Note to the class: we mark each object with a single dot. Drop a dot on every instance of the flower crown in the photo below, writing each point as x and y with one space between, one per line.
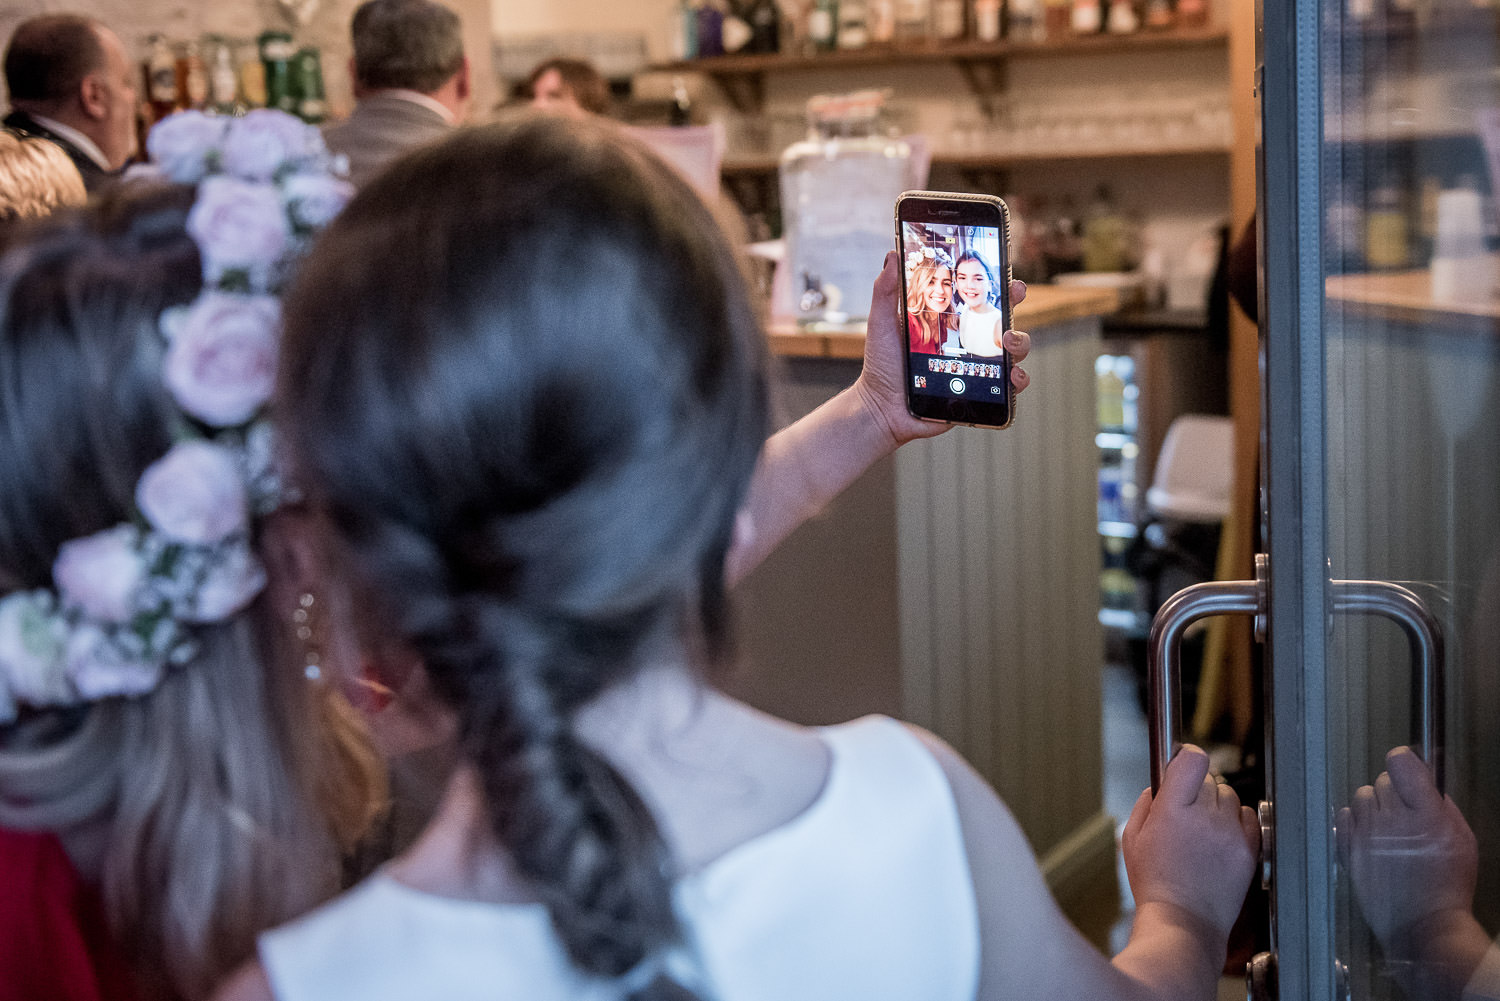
929 254
126 599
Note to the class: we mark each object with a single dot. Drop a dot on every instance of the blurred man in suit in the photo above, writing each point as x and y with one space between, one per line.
71 82
411 82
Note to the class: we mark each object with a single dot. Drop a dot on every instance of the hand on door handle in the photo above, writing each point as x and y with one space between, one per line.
1192 846
1414 862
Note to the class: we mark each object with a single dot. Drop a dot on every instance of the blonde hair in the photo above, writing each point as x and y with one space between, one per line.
932 329
36 177
220 803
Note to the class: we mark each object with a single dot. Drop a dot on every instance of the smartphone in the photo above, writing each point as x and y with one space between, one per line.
955 306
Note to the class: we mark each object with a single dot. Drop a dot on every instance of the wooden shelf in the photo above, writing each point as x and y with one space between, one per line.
756 165
742 77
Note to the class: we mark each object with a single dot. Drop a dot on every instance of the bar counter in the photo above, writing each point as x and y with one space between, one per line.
956 585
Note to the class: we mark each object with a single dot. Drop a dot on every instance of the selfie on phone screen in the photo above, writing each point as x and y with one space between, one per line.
956 305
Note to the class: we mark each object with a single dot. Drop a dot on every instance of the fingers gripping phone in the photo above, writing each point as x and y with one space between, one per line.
955 306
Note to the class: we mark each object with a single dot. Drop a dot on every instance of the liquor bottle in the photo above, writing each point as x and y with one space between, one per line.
192 76
764 18
882 20
1192 13
854 24
1159 15
312 103
1057 18
948 21
223 81
710 30
276 53
161 78
252 73
1386 233
1088 18
912 20
822 25
1025 21
683 30
1122 18
986 20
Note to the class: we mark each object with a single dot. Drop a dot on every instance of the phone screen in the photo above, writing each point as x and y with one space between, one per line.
956 306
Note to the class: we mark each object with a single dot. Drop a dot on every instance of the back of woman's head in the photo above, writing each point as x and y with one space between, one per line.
36 177
524 379
146 705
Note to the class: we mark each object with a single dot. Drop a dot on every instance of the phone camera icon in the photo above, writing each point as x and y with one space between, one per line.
956 385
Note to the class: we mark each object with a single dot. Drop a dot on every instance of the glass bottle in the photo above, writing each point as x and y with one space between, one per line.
312 104
854 24
223 81
882 21
948 22
912 20
986 20
823 25
192 76
764 18
276 54
161 78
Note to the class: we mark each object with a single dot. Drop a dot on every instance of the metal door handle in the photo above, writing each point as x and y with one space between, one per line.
1248 597
1164 650
1425 635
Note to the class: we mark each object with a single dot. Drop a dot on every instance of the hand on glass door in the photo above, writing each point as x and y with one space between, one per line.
1414 861
1193 846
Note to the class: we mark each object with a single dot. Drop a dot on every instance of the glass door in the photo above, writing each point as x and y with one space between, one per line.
1381 464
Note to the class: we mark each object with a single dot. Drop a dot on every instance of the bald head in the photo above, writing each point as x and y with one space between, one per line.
73 69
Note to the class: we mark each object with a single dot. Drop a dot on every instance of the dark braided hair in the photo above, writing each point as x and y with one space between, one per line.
523 377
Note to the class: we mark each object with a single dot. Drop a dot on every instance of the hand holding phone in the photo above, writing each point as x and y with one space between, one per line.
955 305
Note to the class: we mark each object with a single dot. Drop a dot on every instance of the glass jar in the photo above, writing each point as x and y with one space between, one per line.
838 190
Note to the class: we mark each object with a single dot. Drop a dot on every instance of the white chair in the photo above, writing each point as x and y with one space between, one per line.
697 151
1193 470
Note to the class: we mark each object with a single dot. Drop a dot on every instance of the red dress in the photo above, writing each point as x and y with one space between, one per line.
54 943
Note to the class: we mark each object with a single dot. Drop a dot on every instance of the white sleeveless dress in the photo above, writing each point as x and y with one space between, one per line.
865 896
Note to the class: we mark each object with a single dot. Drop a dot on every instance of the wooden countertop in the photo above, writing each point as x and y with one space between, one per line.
1406 297
1045 305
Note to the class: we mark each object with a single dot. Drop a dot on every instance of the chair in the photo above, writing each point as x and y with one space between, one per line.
697 151
1193 470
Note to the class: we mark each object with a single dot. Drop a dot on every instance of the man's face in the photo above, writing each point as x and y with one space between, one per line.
116 136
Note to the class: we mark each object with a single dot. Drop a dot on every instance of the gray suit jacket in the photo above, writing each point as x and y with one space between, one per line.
379 129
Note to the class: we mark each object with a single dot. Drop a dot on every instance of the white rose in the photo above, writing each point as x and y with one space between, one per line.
221 365
234 578
238 225
31 648
98 670
180 144
100 574
194 494
315 198
264 140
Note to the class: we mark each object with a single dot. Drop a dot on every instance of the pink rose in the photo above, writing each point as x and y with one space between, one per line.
221 364
194 494
238 225
180 144
98 670
31 648
263 140
315 198
101 573
232 581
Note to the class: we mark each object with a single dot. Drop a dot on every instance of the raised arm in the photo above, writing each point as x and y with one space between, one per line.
1190 853
806 465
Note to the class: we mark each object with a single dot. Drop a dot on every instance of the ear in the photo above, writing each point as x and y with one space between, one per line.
461 80
93 97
